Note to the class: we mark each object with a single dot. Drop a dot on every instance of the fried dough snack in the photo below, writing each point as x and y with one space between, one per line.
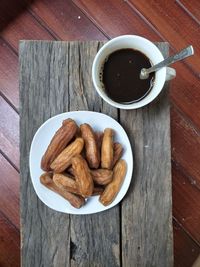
59 141
69 157
91 148
74 200
64 181
113 188
99 176
63 161
117 150
107 149
83 176
102 176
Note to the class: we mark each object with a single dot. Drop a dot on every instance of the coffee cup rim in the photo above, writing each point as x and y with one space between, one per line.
160 76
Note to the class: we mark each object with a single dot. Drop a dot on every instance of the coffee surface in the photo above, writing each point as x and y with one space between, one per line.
121 76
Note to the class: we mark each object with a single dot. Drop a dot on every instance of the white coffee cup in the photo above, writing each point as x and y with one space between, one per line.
147 48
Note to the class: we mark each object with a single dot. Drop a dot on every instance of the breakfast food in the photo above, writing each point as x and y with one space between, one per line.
117 153
59 141
75 200
91 148
107 149
63 161
64 181
81 163
102 176
83 176
113 188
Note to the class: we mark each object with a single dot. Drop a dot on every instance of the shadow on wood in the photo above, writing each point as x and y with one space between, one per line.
10 9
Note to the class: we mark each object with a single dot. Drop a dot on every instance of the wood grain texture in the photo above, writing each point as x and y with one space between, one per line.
23 27
185 146
9 191
9 132
184 93
146 211
53 92
115 18
45 233
191 7
92 240
9 74
10 243
96 237
186 210
185 249
65 20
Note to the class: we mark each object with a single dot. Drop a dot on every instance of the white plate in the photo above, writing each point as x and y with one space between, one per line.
42 139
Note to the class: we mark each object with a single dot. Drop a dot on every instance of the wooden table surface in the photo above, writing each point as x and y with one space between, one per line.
176 22
55 77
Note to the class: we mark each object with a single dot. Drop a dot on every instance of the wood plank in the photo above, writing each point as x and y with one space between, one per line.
29 104
65 20
115 18
10 243
79 231
9 131
191 7
146 211
170 27
185 146
186 203
185 249
59 89
105 251
9 191
25 26
9 74
41 247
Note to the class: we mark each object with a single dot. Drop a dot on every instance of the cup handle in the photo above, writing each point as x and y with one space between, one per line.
170 73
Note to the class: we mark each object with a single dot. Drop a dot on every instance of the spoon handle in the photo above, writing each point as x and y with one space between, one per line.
186 52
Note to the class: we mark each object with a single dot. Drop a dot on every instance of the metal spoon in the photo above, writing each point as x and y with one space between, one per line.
188 51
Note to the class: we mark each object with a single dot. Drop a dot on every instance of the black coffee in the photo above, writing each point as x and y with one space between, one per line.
121 76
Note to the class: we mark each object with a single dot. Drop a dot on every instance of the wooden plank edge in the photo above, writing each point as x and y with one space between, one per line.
185 231
9 161
43 24
9 102
187 11
184 172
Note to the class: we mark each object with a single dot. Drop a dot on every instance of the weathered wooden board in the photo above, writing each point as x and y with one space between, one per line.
56 77
146 210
